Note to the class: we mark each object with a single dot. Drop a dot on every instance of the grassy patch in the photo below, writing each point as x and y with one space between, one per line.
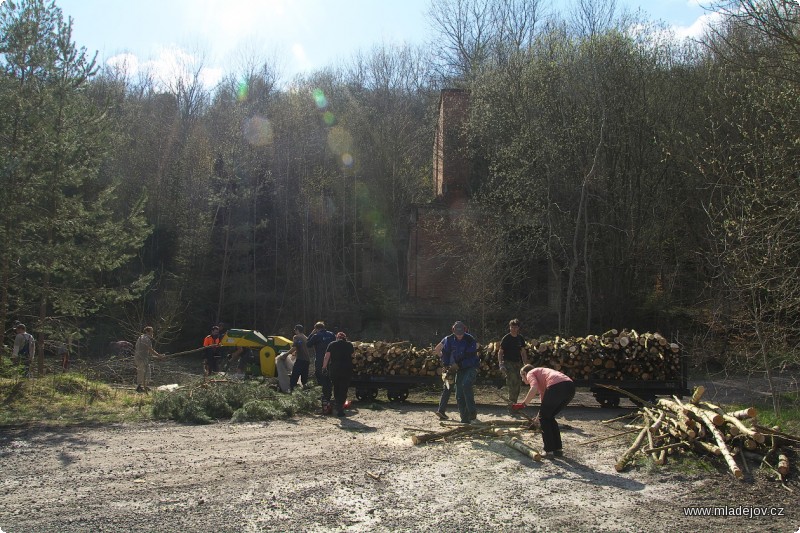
691 464
72 398
789 418
65 399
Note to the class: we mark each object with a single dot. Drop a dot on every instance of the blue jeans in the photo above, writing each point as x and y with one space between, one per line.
445 397
465 395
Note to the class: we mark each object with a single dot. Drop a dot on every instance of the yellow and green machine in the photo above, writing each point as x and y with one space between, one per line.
267 347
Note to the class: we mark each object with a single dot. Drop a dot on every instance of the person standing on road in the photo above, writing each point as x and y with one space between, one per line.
319 339
460 353
556 390
338 364
511 357
141 356
302 360
212 352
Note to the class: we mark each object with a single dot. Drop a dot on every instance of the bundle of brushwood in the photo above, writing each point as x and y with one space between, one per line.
673 427
614 355
509 431
380 358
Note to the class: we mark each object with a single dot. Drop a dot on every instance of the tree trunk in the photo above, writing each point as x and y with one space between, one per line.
522 448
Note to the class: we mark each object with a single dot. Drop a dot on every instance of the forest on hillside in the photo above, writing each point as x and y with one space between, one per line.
657 178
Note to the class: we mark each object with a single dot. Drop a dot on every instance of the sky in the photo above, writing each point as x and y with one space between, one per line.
300 35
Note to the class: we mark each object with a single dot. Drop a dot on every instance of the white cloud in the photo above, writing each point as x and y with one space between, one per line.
211 76
124 62
171 63
300 56
698 27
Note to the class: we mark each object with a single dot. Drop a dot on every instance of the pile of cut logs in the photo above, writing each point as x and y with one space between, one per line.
672 427
402 359
614 355
394 359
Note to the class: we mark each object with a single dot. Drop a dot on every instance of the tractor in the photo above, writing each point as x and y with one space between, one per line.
268 348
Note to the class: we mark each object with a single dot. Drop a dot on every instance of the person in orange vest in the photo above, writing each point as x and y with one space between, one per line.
211 354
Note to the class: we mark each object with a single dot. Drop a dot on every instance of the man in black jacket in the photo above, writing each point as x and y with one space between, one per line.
511 357
338 364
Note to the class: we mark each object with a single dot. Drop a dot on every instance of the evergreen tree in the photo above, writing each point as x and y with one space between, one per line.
65 241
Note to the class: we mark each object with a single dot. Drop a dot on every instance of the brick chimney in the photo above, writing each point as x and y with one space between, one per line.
450 164
433 237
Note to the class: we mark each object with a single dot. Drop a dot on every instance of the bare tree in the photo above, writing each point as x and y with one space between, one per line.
474 33
187 85
759 35
751 161
593 17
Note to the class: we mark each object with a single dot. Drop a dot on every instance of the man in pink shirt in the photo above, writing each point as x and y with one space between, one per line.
556 390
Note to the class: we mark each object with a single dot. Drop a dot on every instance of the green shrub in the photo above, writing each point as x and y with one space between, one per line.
180 407
241 402
306 400
238 394
258 411
215 405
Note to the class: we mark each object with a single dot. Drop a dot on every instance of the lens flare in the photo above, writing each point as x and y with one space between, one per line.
347 159
242 91
319 98
257 131
329 118
339 140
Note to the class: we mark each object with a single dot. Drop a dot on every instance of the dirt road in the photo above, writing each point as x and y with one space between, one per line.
318 473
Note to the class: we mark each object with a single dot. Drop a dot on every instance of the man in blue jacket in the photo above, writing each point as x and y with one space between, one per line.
319 339
459 352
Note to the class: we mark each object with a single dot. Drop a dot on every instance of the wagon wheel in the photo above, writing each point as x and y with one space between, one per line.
397 395
366 395
608 402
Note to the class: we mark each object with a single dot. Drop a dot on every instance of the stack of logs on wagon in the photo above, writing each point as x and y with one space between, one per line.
672 427
614 355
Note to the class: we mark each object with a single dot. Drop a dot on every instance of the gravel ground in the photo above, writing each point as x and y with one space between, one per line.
360 473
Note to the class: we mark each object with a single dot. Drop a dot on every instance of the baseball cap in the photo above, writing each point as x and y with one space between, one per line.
459 328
